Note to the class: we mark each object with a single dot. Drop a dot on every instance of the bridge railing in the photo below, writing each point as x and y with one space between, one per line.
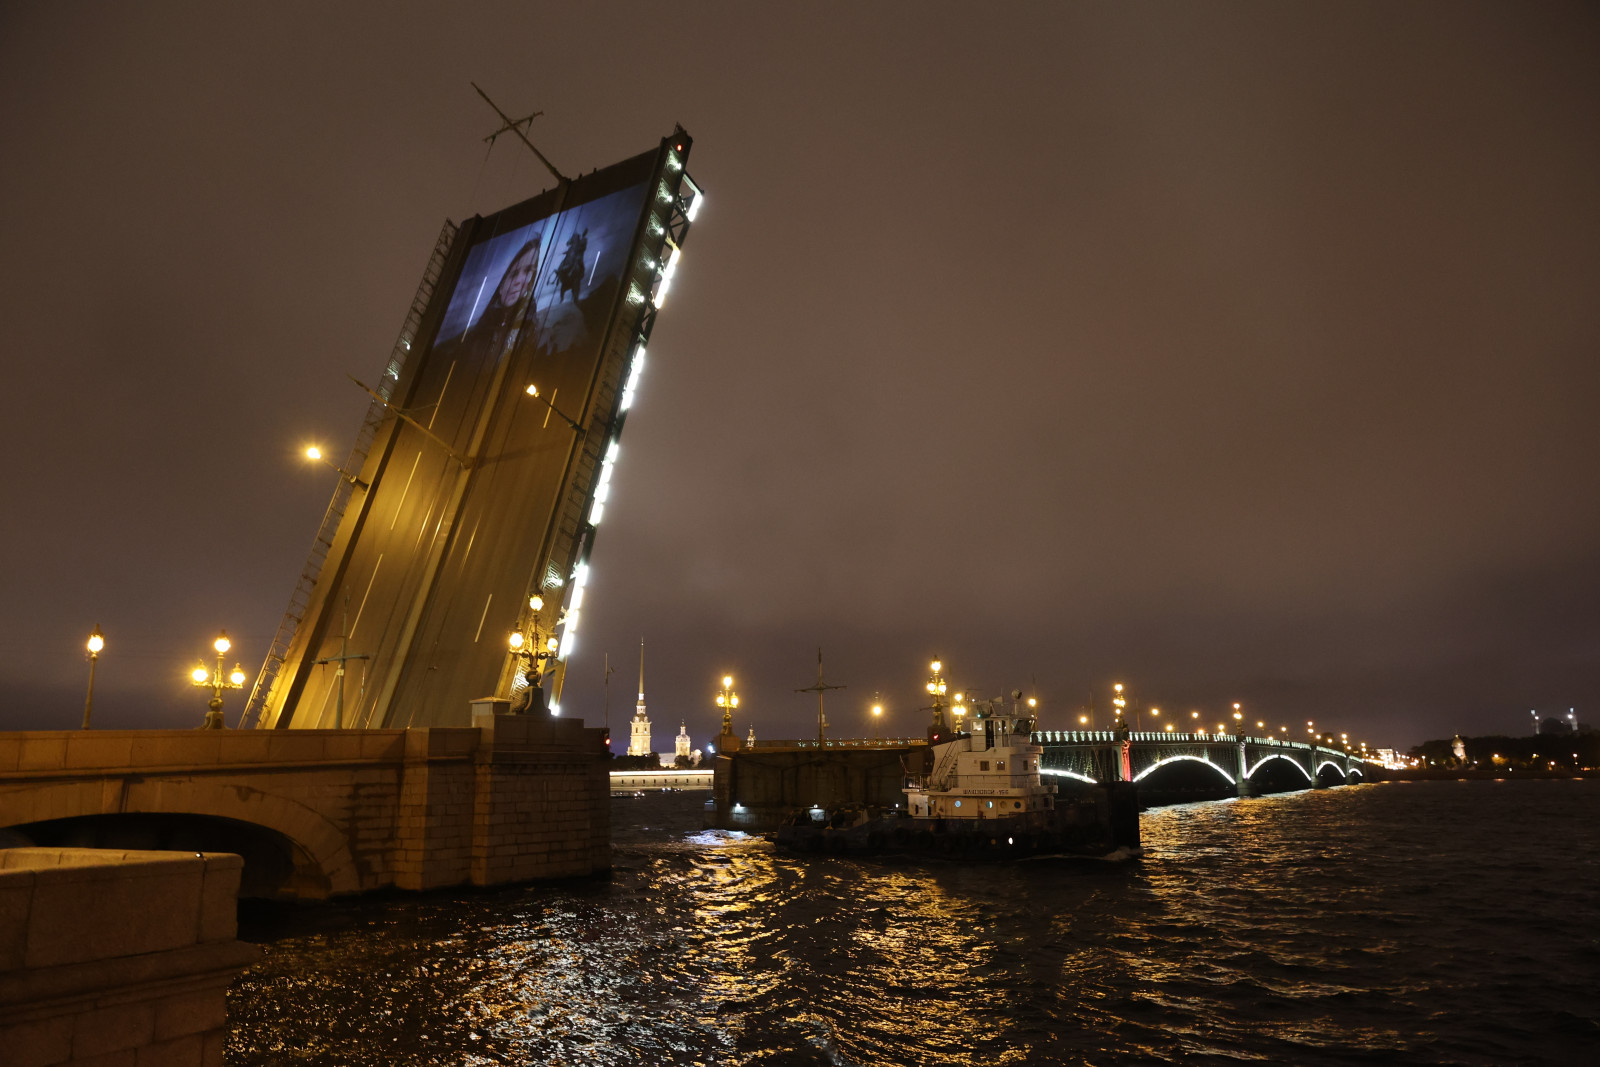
841 742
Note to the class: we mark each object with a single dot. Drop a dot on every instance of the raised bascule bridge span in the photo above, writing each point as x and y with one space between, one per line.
1170 765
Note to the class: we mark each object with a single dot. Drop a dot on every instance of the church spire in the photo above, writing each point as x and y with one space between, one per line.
640 743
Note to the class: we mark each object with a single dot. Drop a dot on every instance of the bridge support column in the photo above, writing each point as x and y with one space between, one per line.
1311 765
1242 784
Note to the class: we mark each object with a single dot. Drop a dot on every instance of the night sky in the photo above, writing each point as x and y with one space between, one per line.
1234 352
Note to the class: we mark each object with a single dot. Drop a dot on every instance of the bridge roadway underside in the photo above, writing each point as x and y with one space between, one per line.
1171 766
319 813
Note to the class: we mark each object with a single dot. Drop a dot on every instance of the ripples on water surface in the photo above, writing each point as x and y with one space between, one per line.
1404 923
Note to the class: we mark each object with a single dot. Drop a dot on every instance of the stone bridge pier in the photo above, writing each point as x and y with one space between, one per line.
318 813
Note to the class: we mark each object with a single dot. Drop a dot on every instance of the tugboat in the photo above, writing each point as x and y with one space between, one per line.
977 795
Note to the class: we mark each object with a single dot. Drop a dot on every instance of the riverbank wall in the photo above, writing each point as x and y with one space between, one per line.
116 957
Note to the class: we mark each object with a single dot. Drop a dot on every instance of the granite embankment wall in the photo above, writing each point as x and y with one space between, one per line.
317 813
116 958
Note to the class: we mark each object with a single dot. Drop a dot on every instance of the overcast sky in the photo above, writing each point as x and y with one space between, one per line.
1232 351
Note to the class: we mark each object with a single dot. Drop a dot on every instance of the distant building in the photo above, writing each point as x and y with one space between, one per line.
681 746
639 737
750 742
1459 747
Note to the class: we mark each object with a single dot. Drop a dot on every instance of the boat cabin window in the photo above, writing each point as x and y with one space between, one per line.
983 765
1000 766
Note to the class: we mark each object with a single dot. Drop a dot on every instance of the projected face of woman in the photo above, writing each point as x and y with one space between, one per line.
519 276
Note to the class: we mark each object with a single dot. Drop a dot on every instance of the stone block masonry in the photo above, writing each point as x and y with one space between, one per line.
318 813
116 956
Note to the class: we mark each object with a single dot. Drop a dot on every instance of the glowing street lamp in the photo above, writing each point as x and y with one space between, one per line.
877 717
96 642
315 454
936 688
533 391
727 700
531 656
217 682
1120 703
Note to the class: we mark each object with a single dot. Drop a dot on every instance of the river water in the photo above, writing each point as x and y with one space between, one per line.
1395 923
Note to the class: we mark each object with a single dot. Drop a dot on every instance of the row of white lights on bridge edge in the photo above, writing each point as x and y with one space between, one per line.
608 464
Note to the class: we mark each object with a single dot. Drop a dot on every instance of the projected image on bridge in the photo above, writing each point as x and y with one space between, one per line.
554 278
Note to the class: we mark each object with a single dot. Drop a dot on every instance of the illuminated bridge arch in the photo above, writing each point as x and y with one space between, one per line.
1335 766
1227 777
1251 773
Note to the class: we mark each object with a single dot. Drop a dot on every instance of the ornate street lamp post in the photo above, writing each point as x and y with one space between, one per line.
97 641
531 658
217 682
936 688
727 700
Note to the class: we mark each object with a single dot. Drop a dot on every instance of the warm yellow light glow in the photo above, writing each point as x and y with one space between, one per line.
313 452
721 700
735 700
1235 705
941 687
932 688
1236 715
533 390
97 641
1083 720
727 681
222 644
1155 711
960 697
877 709
1118 687
536 602
1169 727
1220 727
199 675
552 644
1194 714
936 666
1260 725
516 640
237 677
1032 703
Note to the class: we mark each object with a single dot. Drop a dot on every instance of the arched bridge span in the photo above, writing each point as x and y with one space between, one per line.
319 813
1206 762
